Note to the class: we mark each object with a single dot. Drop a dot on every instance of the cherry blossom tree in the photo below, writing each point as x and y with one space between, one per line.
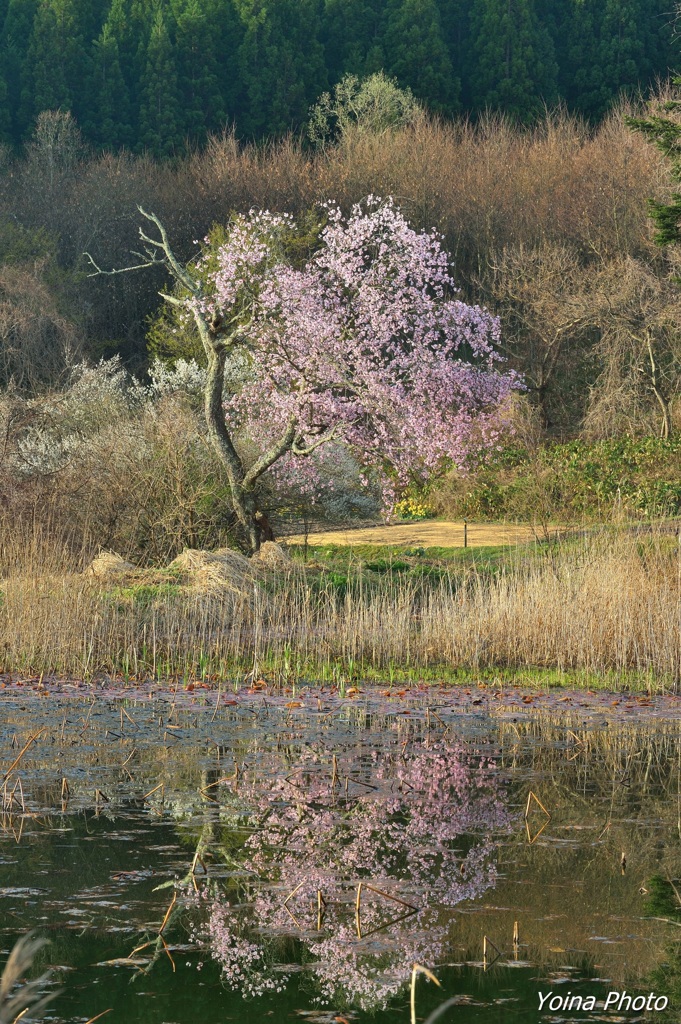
364 345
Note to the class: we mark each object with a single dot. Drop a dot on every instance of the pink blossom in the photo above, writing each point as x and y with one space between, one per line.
366 344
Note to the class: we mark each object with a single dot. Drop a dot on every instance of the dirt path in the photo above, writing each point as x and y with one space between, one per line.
425 534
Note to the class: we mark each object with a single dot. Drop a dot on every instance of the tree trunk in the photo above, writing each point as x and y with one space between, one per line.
243 500
666 427
218 341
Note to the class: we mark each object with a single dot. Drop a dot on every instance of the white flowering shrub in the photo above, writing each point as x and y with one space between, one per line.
129 466
94 394
41 452
185 377
118 463
62 425
344 493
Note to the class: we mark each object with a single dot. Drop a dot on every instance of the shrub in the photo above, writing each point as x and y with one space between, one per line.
569 482
413 508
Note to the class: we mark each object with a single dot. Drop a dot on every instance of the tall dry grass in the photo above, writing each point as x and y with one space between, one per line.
17 995
608 603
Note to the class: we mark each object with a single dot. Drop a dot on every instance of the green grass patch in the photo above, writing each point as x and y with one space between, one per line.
142 595
369 562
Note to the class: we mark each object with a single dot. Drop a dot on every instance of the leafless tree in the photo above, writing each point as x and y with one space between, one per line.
219 340
37 342
639 316
541 294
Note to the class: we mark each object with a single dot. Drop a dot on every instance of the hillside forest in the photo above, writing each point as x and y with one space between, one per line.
153 77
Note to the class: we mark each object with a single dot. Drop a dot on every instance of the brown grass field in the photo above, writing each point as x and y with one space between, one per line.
602 603
426 534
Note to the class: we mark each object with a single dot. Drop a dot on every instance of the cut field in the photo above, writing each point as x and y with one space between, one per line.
426 534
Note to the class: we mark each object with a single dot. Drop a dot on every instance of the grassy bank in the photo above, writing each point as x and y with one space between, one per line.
573 482
601 608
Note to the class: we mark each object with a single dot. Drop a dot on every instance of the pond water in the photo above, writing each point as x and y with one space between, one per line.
253 855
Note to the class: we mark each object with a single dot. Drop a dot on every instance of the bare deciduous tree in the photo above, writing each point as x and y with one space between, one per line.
218 340
37 343
639 316
541 294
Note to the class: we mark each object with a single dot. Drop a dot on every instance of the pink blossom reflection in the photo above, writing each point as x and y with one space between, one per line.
415 832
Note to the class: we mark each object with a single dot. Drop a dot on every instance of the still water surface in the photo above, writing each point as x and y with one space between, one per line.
291 857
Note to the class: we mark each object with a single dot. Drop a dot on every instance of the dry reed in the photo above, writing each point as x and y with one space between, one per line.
17 995
608 603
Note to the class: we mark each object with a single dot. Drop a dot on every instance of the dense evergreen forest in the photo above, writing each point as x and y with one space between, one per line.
153 76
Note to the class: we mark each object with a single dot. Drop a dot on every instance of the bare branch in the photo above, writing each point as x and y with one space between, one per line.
175 266
118 270
173 299
151 241
268 458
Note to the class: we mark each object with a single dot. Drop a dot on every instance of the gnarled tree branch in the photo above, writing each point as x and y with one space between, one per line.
268 458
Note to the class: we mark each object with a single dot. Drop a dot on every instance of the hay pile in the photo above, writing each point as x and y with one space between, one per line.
272 556
195 570
213 570
109 565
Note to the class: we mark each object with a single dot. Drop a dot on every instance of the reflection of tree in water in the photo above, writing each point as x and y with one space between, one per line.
359 866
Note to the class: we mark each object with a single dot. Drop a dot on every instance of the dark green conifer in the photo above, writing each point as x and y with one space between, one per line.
5 119
581 78
610 47
628 44
665 133
56 65
454 18
160 124
129 23
352 34
281 64
204 52
110 124
512 63
16 35
417 53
